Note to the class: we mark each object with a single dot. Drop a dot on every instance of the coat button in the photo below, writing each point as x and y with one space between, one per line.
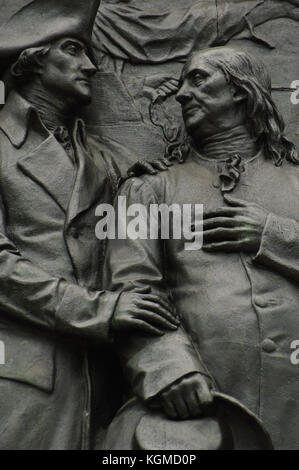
268 345
260 302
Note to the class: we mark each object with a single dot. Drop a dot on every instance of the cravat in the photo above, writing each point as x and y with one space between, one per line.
231 173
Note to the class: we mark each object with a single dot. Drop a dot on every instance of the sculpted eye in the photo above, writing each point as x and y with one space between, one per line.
72 49
197 79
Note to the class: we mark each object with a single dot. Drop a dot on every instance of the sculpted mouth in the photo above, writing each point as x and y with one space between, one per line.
191 108
84 80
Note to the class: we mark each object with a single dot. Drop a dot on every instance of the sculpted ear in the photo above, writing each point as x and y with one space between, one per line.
238 95
30 61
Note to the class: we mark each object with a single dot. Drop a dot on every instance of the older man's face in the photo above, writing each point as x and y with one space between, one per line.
67 71
205 96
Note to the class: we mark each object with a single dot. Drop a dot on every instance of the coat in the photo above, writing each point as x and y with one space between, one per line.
53 315
239 313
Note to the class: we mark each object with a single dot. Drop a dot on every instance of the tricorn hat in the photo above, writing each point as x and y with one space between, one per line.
231 426
228 425
42 21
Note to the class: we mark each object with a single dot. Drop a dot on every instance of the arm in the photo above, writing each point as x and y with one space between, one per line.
279 248
152 365
30 294
247 227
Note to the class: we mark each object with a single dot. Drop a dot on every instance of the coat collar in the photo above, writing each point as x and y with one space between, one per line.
15 117
48 163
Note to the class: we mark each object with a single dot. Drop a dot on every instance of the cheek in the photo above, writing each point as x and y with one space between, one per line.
63 67
218 99
60 67
207 94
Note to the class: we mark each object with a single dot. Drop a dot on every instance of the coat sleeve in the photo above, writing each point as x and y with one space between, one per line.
279 247
30 294
150 363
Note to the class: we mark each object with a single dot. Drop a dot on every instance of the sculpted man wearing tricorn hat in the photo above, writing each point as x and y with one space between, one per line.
54 316
238 296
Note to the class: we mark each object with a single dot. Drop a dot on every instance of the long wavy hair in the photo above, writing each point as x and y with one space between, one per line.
266 123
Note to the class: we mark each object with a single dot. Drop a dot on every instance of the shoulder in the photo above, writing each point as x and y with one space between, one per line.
102 155
143 187
119 156
158 185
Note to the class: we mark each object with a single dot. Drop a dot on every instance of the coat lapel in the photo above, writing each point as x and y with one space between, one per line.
90 180
49 165
74 190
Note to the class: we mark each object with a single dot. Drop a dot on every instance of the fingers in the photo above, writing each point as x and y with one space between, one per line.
236 207
174 404
233 201
161 311
222 212
143 326
156 319
188 398
224 234
227 246
170 309
167 162
142 167
194 404
169 408
146 167
204 394
161 164
149 167
150 302
180 405
142 290
220 222
219 234
168 88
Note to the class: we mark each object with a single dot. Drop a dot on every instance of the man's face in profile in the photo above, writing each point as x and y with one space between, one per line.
67 71
205 96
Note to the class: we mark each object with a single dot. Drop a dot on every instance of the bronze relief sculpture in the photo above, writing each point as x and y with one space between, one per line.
141 344
52 177
237 297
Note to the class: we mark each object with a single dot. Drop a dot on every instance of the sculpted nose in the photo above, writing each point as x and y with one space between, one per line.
88 67
183 95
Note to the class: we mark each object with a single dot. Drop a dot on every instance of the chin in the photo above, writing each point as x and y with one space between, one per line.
191 126
82 99
85 100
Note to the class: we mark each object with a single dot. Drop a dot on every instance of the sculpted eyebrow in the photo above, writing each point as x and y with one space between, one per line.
74 43
191 75
200 71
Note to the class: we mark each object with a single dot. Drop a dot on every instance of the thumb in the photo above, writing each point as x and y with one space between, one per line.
233 201
142 290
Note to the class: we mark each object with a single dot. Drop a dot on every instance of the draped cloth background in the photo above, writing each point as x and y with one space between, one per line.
158 32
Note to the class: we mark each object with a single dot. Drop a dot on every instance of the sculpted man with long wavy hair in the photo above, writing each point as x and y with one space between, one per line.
237 297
